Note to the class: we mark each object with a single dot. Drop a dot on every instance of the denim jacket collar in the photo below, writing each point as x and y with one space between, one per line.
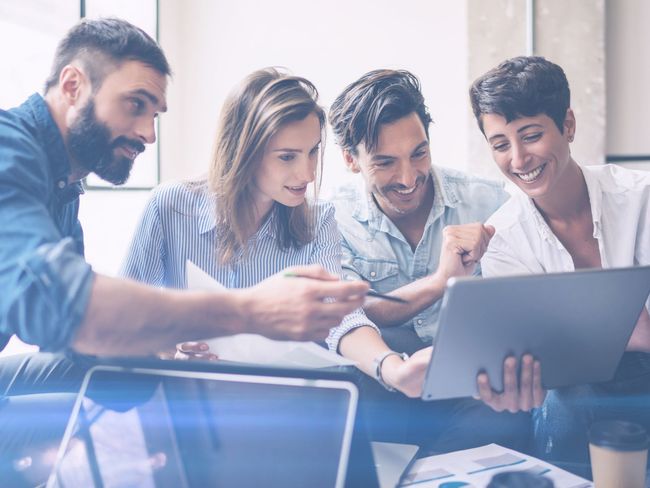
57 154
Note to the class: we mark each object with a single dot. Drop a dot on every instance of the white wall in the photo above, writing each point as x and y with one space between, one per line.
628 79
214 44
109 219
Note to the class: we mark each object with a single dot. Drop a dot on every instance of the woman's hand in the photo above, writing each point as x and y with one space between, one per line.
190 351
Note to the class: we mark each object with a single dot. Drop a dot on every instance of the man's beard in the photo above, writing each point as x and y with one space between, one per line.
90 145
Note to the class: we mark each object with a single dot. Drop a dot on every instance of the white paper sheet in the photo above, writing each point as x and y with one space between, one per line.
197 279
253 348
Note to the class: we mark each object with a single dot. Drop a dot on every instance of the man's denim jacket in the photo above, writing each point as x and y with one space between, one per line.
376 251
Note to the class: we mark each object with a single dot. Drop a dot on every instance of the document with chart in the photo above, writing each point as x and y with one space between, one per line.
474 468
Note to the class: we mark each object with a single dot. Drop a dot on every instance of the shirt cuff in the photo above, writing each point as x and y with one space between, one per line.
350 322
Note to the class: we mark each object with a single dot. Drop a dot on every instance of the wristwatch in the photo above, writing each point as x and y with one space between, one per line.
379 361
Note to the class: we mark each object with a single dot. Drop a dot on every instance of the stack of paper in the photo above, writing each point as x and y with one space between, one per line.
256 349
474 468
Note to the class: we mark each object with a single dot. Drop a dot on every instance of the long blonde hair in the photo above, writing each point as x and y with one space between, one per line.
259 106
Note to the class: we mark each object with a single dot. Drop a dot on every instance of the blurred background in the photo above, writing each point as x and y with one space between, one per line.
603 45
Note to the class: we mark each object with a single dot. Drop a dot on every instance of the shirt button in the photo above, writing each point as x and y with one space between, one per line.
419 321
373 274
369 239
61 184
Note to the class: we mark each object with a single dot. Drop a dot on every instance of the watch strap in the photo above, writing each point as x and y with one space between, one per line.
379 360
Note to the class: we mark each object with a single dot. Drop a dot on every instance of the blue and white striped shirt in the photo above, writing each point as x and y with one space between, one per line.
179 224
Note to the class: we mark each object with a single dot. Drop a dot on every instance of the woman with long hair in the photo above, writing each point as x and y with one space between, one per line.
250 218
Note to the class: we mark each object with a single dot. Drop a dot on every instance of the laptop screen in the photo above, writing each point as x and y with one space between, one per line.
164 428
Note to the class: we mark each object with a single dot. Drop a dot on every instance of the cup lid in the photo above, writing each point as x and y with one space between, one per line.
618 435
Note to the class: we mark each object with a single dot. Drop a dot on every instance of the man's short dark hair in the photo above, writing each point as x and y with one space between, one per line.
379 97
103 45
524 86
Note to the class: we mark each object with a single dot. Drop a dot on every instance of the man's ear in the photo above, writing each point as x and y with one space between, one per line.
351 161
72 82
570 125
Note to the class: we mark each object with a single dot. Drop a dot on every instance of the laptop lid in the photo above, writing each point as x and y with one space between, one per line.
577 324
146 427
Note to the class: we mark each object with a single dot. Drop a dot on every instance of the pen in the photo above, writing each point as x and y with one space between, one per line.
390 298
370 293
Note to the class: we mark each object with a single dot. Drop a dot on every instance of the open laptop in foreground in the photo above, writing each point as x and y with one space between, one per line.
164 424
577 324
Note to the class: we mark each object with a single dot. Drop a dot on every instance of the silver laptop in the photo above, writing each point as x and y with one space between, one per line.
167 428
577 324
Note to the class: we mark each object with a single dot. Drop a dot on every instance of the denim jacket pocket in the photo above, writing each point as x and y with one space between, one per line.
382 275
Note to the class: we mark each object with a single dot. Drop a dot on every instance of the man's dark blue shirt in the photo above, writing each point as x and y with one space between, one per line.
45 281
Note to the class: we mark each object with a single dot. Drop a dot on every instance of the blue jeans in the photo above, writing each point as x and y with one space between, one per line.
561 425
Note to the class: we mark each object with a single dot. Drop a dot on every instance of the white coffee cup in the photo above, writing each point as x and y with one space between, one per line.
619 453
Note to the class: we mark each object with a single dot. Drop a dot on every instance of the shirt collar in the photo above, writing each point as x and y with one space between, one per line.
269 225
68 192
542 227
595 192
446 192
57 154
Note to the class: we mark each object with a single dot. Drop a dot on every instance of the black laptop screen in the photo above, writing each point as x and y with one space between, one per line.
169 429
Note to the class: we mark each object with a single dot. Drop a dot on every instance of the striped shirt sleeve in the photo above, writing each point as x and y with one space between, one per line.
144 260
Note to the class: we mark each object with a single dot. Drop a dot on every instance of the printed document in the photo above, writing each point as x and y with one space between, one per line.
474 468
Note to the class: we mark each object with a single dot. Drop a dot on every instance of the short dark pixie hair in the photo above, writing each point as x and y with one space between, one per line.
522 87
103 45
378 97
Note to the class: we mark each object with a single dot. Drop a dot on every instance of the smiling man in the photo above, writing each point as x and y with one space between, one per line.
407 227
565 217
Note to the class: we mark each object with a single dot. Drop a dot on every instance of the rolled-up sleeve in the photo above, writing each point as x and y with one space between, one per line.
50 293
327 252
45 282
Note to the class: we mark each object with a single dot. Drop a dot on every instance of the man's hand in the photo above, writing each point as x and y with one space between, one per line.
301 303
190 351
463 247
519 394
407 376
